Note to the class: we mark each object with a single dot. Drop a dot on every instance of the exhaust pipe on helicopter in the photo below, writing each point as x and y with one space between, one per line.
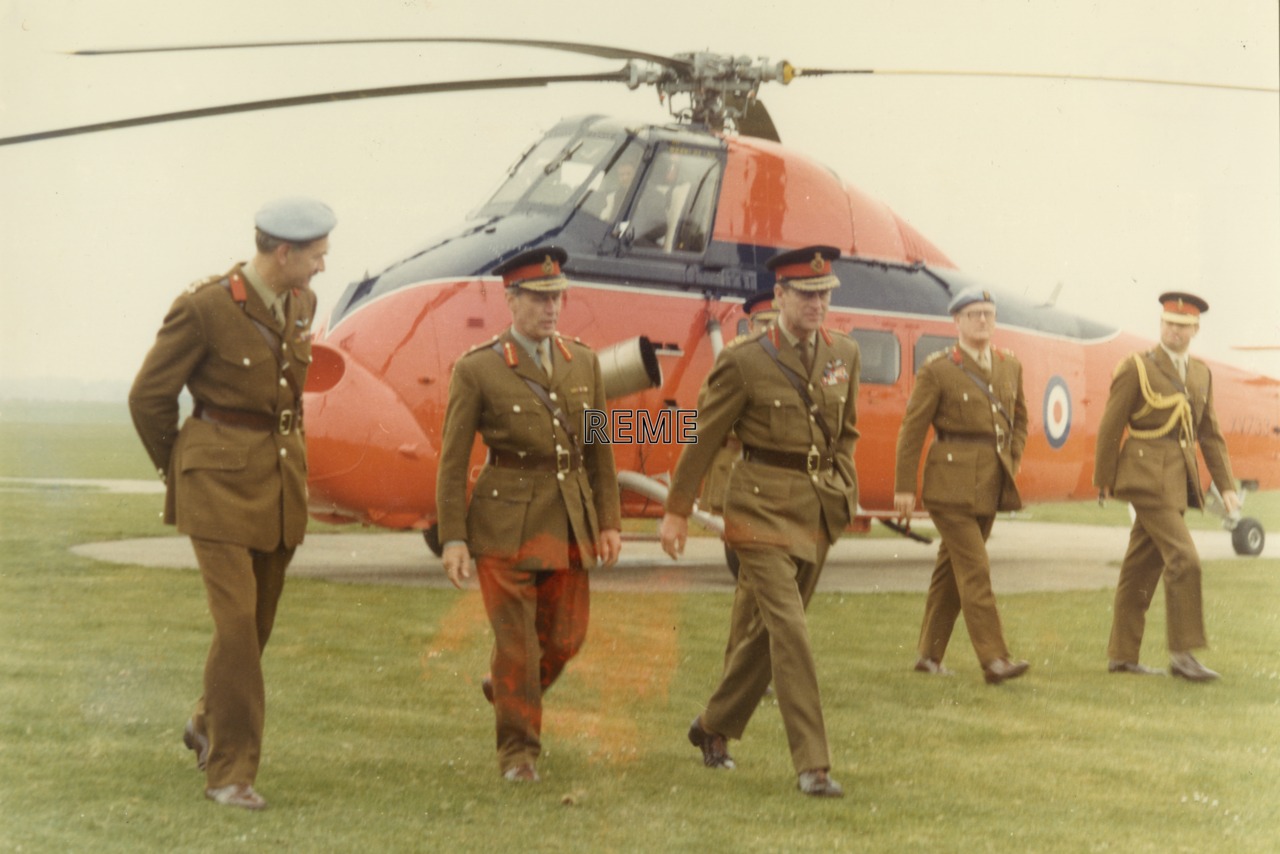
628 367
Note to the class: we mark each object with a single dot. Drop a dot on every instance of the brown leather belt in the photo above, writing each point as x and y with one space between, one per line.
564 461
814 461
972 438
282 423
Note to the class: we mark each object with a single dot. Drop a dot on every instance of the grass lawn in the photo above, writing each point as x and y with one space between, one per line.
378 737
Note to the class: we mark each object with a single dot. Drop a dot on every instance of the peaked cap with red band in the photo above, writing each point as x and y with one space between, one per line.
535 270
760 302
1182 307
807 269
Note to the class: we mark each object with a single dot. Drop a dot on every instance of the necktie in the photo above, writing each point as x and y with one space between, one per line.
1182 369
278 309
544 356
806 354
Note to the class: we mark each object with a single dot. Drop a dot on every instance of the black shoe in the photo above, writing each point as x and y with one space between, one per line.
197 743
819 784
932 667
1002 669
1133 667
1185 666
715 752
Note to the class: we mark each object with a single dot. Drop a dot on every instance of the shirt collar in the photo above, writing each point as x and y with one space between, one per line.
976 355
792 338
531 346
259 284
1174 357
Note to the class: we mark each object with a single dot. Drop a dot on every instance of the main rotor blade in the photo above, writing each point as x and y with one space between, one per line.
322 98
1022 75
602 51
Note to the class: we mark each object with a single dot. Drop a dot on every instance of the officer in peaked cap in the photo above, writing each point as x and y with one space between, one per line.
1160 408
295 219
536 270
807 269
1182 308
760 310
236 472
971 396
790 393
545 507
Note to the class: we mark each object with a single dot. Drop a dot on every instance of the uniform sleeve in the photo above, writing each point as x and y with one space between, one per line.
179 348
461 421
600 464
847 441
720 402
921 408
1115 417
1018 442
1214 446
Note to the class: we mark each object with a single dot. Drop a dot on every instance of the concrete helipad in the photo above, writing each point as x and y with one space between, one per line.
1025 556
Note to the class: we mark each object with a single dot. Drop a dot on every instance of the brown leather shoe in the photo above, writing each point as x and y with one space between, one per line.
715 751
1002 669
486 685
525 773
933 668
1185 666
236 795
1133 667
197 743
819 784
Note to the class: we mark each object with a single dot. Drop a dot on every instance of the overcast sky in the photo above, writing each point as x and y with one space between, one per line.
1116 192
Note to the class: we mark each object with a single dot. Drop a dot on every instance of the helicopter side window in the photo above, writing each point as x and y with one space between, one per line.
927 345
881 356
675 206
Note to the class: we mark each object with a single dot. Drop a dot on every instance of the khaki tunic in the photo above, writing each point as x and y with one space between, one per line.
968 476
781 521
1160 477
525 516
224 483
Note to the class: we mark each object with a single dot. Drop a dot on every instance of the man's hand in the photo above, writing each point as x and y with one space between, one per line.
610 546
1231 502
457 563
674 533
904 503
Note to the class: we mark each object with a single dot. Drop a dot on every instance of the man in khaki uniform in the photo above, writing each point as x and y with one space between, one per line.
971 395
789 498
545 507
1164 399
236 473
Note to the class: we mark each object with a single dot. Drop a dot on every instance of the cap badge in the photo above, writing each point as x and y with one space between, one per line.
817 264
548 266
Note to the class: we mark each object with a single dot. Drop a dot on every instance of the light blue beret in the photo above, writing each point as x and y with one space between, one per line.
969 296
296 219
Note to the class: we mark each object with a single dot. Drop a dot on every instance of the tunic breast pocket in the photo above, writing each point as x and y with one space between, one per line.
788 423
524 423
252 368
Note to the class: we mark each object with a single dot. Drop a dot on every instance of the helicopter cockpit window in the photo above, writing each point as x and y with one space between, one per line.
551 174
674 208
609 189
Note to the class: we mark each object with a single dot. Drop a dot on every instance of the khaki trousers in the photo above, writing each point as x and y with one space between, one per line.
1159 545
539 622
961 583
243 588
769 639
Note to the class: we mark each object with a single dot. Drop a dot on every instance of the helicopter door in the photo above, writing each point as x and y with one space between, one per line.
674 209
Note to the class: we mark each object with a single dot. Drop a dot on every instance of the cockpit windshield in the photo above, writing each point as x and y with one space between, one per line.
551 173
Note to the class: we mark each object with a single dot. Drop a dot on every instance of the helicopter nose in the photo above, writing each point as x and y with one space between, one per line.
368 458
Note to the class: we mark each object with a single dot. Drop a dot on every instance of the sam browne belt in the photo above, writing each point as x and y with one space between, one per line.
560 462
814 461
282 422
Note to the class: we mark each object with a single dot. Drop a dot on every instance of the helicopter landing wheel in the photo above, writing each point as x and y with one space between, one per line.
1248 537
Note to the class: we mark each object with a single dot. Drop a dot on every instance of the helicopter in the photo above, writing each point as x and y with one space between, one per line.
668 229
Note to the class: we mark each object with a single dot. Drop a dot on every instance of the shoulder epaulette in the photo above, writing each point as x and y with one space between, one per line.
564 347
933 357
483 345
749 336
201 284
1005 354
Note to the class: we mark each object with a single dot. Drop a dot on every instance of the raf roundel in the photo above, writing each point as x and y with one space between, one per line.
1057 412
